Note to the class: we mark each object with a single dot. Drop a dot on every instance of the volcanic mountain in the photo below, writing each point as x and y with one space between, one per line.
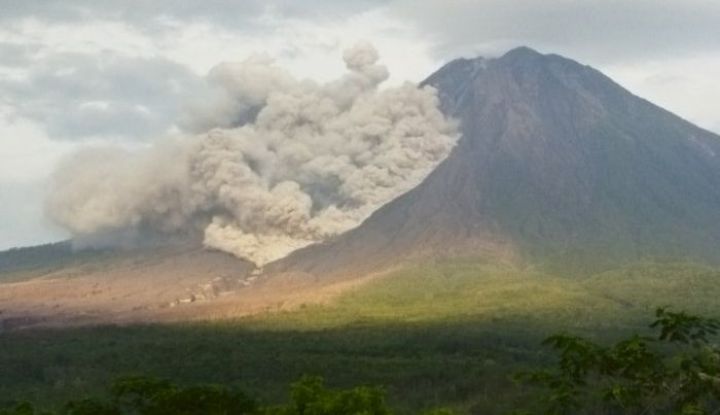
557 165
558 168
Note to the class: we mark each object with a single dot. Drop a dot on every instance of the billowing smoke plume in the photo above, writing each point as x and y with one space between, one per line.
269 163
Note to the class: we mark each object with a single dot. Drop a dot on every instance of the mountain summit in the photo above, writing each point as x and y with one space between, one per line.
557 165
558 168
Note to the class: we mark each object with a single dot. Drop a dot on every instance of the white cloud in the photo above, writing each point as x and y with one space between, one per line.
22 222
119 70
27 153
309 49
27 157
687 86
596 30
85 37
78 96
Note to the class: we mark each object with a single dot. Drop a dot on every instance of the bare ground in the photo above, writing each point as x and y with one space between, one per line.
170 285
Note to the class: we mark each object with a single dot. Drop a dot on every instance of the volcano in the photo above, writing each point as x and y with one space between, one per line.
558 169
558 166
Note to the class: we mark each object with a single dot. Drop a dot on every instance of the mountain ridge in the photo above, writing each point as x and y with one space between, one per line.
559 169
557 164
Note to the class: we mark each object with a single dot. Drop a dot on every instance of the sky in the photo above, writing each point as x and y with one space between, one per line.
75 73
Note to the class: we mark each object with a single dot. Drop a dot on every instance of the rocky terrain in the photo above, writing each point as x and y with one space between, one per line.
558 168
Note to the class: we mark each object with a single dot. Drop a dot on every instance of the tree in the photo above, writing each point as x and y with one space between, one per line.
676 372
148 396
309 396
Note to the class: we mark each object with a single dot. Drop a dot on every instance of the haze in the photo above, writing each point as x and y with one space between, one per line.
78 73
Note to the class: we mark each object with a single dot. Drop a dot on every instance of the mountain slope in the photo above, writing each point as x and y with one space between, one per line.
53 284
557 165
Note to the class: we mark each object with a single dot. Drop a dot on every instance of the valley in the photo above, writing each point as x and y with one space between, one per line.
441 333
567 205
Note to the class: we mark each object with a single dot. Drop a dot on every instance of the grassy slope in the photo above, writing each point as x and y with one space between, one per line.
442 333
453 292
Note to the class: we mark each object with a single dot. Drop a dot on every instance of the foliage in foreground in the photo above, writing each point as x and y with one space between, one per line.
149 396
417 332
677 372
442 333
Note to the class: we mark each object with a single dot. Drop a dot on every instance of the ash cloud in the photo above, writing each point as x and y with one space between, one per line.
267 164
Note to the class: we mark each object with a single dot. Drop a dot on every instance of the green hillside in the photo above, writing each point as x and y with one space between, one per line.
444 333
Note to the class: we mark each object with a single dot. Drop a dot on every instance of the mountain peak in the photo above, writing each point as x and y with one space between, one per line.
527 59
557 164
522 52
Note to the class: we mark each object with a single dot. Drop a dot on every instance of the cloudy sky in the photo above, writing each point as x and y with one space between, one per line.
87 72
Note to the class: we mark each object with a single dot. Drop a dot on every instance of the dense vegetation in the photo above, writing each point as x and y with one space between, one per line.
676 372
147 396
637 375
447 334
